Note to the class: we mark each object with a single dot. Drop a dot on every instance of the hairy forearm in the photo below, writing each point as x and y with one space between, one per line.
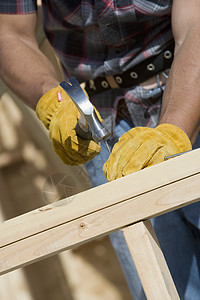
26 71
181 99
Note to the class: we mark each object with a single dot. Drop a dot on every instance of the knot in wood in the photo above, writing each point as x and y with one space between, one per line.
83 225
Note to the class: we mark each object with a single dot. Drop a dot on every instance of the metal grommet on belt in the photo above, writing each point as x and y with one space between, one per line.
92 85
167 54
104 84
134 75
118 79
150 67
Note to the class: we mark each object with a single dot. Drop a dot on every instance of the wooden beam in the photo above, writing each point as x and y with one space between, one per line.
99 211
149 261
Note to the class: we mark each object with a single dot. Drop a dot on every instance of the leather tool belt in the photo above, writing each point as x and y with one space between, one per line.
136 75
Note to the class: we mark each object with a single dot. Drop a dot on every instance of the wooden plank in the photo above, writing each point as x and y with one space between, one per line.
44 233
100 197
149 261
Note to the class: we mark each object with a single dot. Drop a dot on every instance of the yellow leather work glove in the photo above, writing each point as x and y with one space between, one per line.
60 116
142 147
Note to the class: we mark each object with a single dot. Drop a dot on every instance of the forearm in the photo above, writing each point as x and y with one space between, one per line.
26 71
181 99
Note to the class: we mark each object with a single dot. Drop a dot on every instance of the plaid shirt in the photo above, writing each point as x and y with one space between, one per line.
97 37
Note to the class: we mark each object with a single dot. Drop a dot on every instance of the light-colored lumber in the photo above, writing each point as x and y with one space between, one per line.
93 200
99 211
149 261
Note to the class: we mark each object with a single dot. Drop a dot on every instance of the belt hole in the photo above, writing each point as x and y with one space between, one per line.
118 79
150 67
167 54
134 75
104 84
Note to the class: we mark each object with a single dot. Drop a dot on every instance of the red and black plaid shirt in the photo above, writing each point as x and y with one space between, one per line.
101 37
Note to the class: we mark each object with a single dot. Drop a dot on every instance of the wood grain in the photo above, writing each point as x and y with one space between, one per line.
99 211
149 261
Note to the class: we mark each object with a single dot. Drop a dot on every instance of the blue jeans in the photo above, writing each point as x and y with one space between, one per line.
178 233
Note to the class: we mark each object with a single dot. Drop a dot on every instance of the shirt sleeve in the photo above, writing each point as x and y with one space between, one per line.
18 6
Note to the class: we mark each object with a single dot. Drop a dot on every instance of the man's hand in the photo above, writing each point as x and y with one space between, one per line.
143 147
60 116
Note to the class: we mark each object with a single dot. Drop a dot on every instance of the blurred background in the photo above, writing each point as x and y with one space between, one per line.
31 176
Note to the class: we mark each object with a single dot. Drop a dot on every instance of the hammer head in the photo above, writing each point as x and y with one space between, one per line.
89 124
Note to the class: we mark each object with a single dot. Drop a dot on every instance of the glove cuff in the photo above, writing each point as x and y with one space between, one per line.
176 135
48 104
